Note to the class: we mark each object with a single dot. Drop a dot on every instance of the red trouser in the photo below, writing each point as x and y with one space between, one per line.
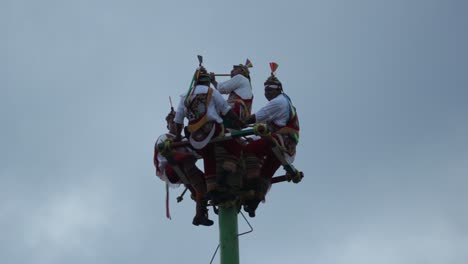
262 148
196 183
171 174
179 160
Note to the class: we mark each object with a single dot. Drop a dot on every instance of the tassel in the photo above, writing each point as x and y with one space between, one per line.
168 213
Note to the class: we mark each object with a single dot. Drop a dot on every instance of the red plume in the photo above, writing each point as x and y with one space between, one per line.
273 67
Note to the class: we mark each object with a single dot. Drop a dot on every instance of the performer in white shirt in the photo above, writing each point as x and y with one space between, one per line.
238 88
203 107
281 118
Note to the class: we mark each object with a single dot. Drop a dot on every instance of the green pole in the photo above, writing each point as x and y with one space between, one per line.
228 235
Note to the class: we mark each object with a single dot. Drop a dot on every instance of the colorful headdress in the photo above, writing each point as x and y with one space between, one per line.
244 67
272 81
202 75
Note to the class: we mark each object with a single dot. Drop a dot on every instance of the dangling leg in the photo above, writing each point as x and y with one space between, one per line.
198 184
201 216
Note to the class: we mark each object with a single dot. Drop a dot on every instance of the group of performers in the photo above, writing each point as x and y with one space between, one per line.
232 165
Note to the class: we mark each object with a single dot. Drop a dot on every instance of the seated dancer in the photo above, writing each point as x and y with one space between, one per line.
238 88
204 108
281 118
184 159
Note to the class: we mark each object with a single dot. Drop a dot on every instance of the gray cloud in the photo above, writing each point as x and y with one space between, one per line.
380 88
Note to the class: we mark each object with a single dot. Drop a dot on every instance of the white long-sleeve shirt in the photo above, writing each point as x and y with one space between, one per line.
238 84
276 111
216 106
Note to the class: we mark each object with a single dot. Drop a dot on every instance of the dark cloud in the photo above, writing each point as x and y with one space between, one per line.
380 88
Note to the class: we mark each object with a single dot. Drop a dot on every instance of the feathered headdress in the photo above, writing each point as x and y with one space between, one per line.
245 67
272 81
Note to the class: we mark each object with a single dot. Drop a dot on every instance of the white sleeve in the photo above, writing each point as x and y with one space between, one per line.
180 112
230 85
269 112
221 104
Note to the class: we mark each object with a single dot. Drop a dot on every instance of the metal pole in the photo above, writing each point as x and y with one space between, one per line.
228 235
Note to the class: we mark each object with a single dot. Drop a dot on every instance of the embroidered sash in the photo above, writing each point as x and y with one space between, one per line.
197 109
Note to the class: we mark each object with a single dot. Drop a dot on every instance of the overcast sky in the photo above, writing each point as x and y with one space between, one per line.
381 89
